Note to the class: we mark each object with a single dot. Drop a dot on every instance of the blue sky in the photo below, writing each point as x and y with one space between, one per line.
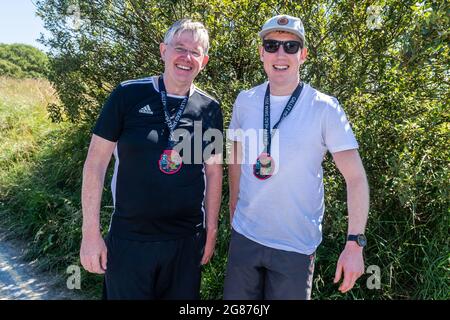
19 24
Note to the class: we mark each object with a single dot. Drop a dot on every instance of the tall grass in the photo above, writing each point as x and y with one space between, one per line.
40 176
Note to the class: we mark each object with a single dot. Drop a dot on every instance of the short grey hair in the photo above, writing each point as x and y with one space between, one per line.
198 30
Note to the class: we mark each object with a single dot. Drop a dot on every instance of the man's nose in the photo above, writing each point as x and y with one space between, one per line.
188 53
280 51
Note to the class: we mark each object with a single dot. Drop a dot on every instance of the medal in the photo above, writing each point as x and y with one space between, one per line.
170 161
264 166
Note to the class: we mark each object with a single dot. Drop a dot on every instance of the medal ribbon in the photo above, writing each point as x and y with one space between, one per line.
171 124
267 135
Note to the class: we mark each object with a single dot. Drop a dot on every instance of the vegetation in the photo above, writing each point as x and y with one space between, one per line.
22 61
390 74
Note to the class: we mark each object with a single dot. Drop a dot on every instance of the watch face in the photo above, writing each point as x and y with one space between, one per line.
362 241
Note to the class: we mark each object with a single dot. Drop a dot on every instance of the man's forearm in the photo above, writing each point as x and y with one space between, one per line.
93 180
213 197
234 175
358 204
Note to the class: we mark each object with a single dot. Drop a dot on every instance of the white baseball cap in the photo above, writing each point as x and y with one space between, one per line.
283 23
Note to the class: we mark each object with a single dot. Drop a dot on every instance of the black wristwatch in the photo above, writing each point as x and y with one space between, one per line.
360 239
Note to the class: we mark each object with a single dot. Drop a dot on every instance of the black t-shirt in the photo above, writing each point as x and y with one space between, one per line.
148 204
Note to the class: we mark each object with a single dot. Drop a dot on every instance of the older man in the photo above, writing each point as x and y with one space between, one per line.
164 197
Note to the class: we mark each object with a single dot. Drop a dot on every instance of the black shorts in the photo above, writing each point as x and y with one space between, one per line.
168 270
257 272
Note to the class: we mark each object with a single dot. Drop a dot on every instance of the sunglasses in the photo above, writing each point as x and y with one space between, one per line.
290 47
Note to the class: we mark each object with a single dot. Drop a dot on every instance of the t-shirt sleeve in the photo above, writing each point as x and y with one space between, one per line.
217 119
214 129
109 124
336 130
233 132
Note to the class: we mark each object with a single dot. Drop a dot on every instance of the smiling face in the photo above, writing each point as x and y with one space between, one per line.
183 59
282 68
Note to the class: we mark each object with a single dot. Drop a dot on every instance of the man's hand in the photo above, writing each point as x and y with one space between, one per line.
93 253
351 262
210 244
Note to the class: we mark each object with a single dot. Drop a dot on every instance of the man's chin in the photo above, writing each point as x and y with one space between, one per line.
184 76
280 78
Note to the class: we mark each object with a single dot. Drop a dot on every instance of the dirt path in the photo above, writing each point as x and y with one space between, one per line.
20 280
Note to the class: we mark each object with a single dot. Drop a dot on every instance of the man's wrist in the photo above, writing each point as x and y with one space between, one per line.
358 239
352 245
91 230
211 228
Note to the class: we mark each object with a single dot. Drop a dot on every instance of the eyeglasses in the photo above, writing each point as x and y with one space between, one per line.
290 47
183 50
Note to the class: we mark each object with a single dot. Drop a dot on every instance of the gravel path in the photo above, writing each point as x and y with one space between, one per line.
20 280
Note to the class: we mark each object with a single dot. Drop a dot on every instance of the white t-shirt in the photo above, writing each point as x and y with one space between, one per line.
286 211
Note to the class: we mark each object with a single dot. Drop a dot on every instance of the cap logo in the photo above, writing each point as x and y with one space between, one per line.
283 21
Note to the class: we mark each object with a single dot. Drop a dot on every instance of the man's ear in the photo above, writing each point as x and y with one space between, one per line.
205 61
162 50
303 55
261 53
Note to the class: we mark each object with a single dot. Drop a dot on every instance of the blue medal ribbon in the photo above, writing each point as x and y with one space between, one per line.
171 124
267 135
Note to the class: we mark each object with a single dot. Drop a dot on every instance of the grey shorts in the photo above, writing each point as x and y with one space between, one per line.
257 272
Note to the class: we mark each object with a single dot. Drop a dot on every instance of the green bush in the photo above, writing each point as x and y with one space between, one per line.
23 61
